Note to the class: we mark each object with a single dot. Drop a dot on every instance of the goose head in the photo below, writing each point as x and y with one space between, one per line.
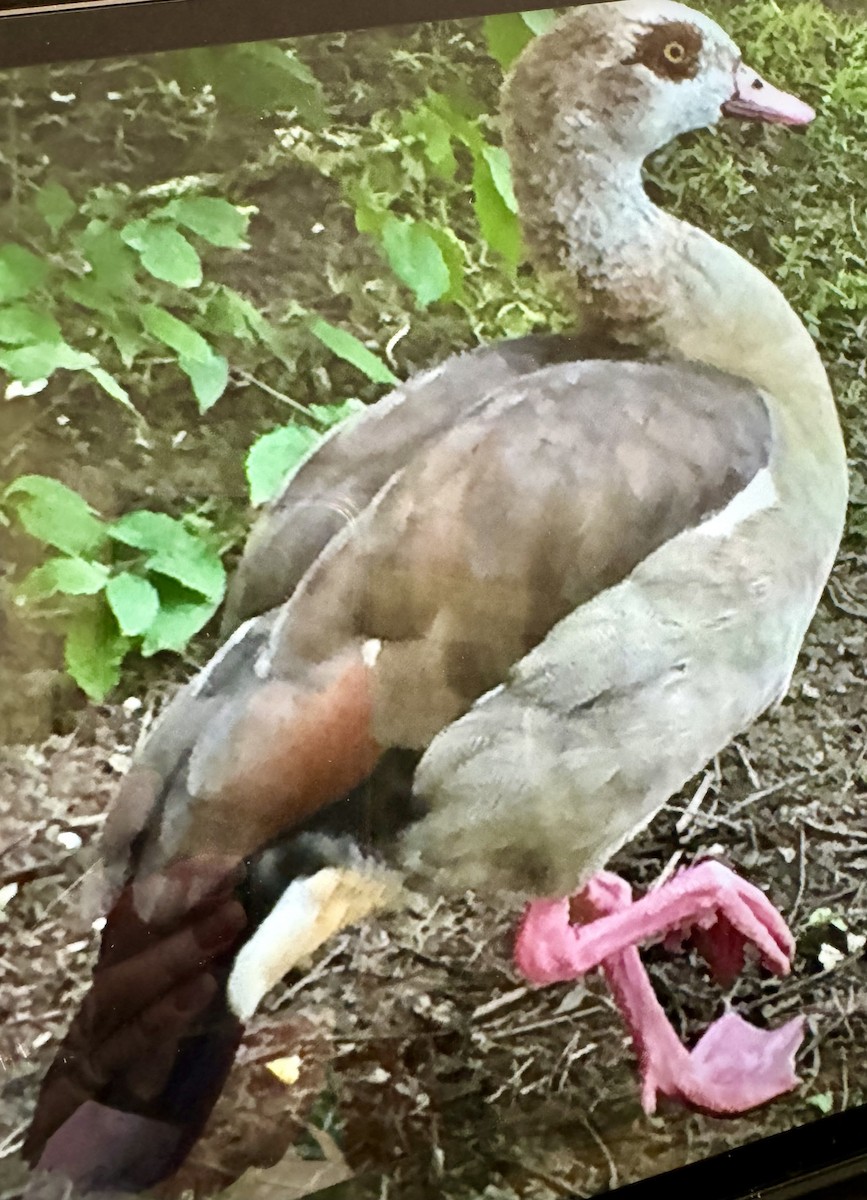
640 72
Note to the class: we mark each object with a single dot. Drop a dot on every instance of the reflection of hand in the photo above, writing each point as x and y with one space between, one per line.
151 982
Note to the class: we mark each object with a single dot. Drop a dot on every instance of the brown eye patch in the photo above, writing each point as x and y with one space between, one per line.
671 51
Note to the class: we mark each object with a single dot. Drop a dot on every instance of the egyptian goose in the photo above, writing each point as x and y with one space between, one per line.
552 578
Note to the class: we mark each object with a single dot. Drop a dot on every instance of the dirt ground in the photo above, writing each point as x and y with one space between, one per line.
425 1067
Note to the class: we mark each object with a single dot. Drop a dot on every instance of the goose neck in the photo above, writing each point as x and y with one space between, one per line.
658 280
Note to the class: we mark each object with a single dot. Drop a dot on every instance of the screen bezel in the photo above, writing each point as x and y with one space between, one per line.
805 1161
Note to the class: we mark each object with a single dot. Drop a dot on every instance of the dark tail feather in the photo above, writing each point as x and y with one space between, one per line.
116 1145
94 1129
94 1125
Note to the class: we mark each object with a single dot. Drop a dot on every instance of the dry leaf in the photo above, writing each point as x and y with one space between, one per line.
287 1069
293 1177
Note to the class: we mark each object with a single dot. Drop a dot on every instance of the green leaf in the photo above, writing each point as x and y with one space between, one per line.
256 78
112 263
91 295
55 514
231 314
350 349
56 206
416 259
95 649
824 1101
212 218
134 601
173 551
209 378
176 334
273 456
539 21
435 135
127 335
29 363
455 258
20 272
179 619
501 174
335 414
109 384
164 252
21 325
498 224
69 576
200 569
506 35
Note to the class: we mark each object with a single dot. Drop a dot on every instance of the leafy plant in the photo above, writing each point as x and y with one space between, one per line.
507 35
427 255
253 79
103 260
274 455
145 582
141 278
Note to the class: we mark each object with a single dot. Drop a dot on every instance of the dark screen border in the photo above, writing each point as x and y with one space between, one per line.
826 1159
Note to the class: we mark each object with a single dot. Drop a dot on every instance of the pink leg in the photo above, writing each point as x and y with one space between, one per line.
734 1066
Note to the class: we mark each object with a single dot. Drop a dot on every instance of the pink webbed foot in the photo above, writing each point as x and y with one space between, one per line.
723 913
734 1066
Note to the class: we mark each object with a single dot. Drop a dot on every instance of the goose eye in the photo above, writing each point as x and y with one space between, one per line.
672 51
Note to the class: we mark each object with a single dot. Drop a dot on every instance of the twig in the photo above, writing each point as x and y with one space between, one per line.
667 871
519 1030
281 396
492 1006
510 1083
802 875
810 981
763 793
748 766
846 604
613 1173
29 875
572 1055
319 970
685 819
8 1146
393 340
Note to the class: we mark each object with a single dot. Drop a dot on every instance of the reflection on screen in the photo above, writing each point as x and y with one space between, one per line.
489 821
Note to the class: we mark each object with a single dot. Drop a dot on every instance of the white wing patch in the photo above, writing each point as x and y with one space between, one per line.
370 652
759 494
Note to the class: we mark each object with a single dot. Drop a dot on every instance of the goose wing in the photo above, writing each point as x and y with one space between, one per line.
485 535
346 471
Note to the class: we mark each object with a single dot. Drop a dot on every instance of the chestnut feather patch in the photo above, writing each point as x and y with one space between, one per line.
671 51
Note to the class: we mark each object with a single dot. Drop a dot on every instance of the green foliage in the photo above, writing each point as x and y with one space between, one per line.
275 454
440 150
347 346
141 280
55 514
255 79
145 582
108 262
507 35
